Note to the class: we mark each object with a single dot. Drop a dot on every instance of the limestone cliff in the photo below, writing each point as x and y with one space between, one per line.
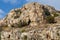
34 21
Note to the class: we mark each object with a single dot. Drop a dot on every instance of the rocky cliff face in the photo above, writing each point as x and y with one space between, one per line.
33 21
49 33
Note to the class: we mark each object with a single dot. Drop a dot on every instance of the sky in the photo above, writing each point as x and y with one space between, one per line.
7 5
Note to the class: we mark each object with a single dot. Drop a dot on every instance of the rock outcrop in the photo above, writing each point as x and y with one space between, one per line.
30 13
30 23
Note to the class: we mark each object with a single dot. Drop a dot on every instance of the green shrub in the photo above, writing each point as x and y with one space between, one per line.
50 19
25 37
55 15
23 23
23 30
47 13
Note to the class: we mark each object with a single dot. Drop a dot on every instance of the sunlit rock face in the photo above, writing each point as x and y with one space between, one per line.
34 21
31 12
50 33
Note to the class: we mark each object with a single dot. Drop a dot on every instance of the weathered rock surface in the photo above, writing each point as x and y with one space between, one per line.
30 13
31 22
49 33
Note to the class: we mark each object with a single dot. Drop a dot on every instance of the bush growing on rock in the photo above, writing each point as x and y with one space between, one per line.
25 37
50 19
22 30
55 15
47 13
23 23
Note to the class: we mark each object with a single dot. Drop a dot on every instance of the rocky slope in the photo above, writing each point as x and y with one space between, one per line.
34 21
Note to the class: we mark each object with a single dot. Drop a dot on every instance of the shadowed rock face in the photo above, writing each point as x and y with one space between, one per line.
29 19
